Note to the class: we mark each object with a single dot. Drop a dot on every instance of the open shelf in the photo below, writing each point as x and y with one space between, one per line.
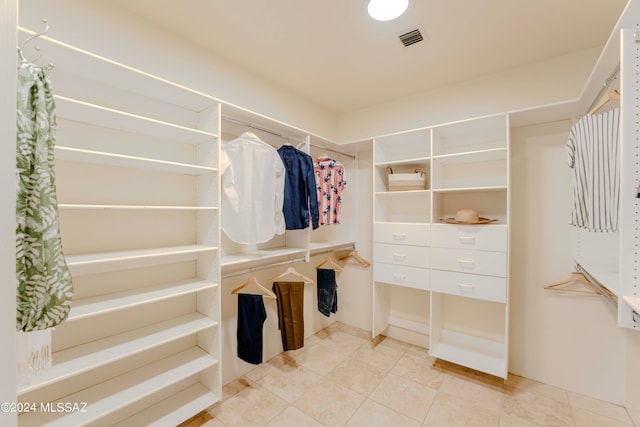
402 147
83 308
82 358
121 160
478 135
474 352
320 247
68 206
111 261
122 391
74 59
174 409
85 112
405 162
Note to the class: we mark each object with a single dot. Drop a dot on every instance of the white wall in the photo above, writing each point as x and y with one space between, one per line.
8 18
547 82
565 340
98 26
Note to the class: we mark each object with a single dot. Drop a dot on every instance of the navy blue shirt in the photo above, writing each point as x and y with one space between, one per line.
300 195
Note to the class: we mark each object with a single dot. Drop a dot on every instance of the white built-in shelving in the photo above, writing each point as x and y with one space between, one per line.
459 271
138 192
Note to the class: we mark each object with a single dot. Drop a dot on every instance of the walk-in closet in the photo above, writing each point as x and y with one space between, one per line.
285 214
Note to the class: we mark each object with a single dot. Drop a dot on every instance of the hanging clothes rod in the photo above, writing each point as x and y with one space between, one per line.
278 134
605 86
351 156
257 127
262 267
599 286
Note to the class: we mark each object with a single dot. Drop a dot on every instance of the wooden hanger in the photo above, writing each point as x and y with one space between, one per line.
292 271
329 260
575 278
253 281
355 255
608 96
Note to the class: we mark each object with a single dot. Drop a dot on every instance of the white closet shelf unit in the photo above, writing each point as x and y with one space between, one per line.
156 290
453 265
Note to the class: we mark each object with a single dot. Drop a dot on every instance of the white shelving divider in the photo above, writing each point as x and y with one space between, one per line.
137 158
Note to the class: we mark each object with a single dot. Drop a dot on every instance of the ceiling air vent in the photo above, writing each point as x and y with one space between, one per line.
411 37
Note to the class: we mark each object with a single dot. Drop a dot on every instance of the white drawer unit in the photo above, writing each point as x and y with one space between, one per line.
411 277
414 256
469 285
401 234
470 261
479 237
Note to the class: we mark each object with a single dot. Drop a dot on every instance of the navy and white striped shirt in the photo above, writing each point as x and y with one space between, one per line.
593 153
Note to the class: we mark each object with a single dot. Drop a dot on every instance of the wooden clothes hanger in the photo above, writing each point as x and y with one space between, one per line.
253 281
575 278
293 272
355 255
329 260
608 96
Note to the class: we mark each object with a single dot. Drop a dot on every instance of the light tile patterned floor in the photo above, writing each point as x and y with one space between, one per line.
341 377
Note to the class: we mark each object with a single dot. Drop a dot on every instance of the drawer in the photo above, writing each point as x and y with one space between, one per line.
469 285
468 261
414 256
482 237
401 234
411 277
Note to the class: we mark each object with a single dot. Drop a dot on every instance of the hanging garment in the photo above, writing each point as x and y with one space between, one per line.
330 182
252 190
290 313
327 291
44 285
251 317
593 154
300 197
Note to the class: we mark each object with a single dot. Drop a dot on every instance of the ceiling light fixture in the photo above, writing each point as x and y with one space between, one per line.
386 10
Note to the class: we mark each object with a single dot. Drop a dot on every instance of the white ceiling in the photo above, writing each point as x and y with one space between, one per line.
331 53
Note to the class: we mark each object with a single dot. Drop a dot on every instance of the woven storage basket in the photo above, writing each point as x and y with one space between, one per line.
406 181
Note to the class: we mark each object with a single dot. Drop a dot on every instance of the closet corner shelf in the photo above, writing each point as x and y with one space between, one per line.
125 161
321 247
477 353
97 115
88 307
107 398
232 262
173 410
92 355
607 275
113 261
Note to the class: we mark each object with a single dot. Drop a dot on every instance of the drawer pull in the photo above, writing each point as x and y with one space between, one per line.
467 263
467 240
399 236
399 257
466 289
399 277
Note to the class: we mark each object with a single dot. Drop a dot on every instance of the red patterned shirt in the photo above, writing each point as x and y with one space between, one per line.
330 181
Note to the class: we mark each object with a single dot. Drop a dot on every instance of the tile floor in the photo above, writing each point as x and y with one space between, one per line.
341 377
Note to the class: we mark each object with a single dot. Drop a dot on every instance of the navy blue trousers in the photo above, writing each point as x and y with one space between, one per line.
251 317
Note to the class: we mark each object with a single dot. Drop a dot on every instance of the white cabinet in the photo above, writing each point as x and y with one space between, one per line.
137 179
467 282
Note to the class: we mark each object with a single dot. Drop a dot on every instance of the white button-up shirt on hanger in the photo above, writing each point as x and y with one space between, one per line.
252 176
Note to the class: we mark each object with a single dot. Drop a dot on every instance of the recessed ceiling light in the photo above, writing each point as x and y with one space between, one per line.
386 10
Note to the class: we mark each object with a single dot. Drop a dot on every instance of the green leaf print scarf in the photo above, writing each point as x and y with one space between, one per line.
44 286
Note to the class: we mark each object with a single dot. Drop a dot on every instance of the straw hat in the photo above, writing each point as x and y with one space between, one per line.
467 216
